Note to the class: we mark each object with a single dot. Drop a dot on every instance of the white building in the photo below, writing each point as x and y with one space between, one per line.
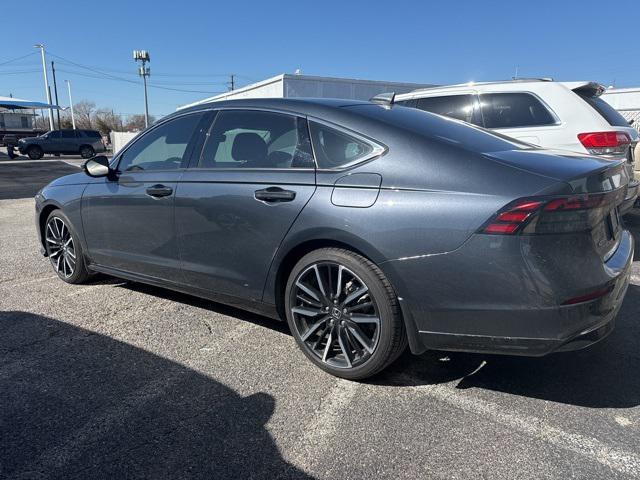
294 86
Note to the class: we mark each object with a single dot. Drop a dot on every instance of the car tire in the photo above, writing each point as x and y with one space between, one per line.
64 249
35 152
344 313
87 151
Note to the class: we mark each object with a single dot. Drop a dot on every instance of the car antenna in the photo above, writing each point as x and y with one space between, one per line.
385 99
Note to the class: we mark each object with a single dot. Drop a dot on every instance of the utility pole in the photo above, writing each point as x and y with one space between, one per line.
73 118
232 83
55 91
144 72
46 83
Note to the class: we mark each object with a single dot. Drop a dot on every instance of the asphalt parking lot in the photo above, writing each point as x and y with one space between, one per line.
116 379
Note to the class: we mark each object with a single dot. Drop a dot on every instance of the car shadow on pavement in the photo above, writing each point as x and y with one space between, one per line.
604 375
244 315
78 404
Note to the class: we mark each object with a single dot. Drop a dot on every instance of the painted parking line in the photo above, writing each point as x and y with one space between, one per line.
72 162
323 425
593 449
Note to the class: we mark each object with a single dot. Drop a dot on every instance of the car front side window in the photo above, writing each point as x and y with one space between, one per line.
162 148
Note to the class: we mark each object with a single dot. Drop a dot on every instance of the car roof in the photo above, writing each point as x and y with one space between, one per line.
321 107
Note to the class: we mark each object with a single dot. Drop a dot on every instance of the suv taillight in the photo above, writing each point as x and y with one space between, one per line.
549 215
605 143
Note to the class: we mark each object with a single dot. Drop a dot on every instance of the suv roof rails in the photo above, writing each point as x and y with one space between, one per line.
531 79
384 99
469 84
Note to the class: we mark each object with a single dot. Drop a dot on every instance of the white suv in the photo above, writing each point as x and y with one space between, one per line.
557 115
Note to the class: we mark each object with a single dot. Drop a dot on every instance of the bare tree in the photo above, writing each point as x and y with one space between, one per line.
42 123
135 123
106 121
84 112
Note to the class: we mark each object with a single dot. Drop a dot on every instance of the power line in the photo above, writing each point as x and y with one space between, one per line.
103 71
193 75
126 80
18 58
20 72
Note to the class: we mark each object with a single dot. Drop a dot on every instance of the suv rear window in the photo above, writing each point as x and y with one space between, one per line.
609 113
461 107
511 110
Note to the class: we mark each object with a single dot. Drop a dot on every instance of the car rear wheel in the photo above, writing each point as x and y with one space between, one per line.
344 313
86 151
35 153
64 249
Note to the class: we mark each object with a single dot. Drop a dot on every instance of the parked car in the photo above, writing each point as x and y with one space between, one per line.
67 142
366 226
555 115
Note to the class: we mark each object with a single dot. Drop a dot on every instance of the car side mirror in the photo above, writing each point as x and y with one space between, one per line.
97 166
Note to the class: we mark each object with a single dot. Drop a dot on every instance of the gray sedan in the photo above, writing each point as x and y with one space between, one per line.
367 227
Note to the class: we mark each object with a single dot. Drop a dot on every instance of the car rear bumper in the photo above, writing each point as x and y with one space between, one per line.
518 312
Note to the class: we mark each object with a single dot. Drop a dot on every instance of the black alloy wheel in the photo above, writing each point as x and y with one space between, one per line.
344 314
63 249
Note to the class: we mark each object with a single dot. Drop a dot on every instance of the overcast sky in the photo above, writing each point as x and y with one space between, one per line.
195 45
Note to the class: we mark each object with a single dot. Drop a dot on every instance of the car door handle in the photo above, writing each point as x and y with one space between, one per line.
159 190
275 194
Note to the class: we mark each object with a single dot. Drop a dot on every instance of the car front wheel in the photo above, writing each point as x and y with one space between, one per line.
64 249
35 153
344 313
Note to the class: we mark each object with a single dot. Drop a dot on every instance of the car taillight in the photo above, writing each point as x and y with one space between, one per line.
512 220
548 215
605 143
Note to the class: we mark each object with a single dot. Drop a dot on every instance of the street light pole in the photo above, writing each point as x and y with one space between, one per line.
144 72
55 91
73 118
46 83
146 101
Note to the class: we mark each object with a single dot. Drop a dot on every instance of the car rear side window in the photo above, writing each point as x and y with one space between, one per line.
162 148
512 110
461 107
257 139
335 149
68 133
610 114
92 134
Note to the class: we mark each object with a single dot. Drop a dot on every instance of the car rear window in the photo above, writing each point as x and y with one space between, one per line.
462 107
454 132
610 114
512 110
